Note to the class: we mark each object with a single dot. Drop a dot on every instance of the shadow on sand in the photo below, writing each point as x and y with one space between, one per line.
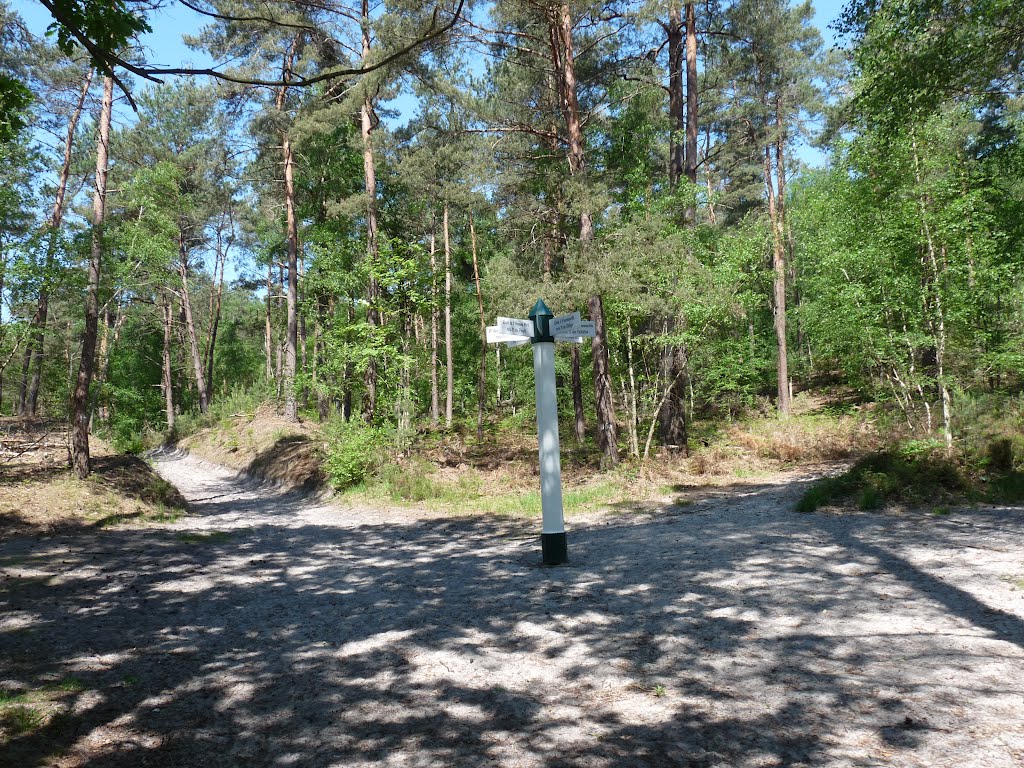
694 638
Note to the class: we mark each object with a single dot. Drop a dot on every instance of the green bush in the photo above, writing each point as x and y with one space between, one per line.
354 450
914 472
409 481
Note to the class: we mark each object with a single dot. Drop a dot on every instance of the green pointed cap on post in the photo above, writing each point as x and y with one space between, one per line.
541 316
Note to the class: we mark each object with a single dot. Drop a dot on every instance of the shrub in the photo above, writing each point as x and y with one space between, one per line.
408 481
914 472
354 450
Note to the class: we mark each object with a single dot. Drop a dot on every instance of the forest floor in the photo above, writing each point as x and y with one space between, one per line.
267 629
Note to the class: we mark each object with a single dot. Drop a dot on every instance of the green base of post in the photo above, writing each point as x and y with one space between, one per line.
554 548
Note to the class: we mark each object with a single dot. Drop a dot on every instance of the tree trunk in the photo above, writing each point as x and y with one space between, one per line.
579 413
216 303
291 340
674 32
435 403
634 442
673 422
940 315
268 329
166 380
292 239
370 176
448 349
562 51
80 396
481 387
606 433
33 365
304 395
190 327
779 288
691 95
322 401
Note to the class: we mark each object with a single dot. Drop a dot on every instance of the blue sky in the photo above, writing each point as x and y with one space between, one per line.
164 44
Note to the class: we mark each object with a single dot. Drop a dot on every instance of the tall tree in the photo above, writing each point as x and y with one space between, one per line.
774 59
80 396
31 374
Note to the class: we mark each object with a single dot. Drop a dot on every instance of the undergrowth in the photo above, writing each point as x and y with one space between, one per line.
914 473
986 463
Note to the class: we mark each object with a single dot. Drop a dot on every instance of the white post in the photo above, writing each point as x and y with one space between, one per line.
552 537
553 544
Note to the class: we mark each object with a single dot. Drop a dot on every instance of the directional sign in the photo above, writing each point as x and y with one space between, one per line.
583 328
561 325
495 336
517 342
511 326
570 339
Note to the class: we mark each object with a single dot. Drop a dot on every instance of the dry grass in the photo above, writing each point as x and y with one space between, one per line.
806 438
770 444
39 494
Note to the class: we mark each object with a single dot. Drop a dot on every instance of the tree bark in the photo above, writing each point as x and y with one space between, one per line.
33 365
370 177
166 380
691 95
216 303
435 403
448 348
80 396
562 51
268 329
779 286
292 238
673 422
607 437
674 33
190 327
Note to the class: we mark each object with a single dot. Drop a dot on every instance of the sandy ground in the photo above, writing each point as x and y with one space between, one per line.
271 631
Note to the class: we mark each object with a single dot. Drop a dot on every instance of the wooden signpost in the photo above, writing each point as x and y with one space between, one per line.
543 329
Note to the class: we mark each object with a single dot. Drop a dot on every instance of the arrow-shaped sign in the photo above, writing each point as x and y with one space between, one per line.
511 326
561 325
495 335
583 328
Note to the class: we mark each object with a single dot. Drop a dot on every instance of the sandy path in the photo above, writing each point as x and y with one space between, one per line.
732 632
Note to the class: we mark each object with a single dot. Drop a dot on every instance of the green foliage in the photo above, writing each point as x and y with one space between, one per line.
914 56
409 481
354 450
15 99
107 26
914 473
131 389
